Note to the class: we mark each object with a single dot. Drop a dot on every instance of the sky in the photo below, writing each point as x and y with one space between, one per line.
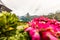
34 7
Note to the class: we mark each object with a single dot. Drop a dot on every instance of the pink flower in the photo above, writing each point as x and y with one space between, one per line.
36 19
49 29
28 29
36 36
51 37
31 32
43 25
44 36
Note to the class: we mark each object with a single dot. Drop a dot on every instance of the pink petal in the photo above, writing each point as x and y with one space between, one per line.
29 28
36 36
51 36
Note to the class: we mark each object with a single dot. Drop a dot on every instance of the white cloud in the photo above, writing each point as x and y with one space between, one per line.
34 7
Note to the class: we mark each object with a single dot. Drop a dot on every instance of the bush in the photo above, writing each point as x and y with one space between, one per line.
8 24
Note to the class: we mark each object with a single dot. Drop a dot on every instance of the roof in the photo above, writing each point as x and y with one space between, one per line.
3 7
1 3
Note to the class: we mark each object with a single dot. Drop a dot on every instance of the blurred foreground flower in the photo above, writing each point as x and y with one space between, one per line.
43 28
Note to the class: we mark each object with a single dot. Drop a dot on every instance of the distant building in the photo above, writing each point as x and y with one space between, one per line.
3 7
27 15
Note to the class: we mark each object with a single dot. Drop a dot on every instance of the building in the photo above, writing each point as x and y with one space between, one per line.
3 7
